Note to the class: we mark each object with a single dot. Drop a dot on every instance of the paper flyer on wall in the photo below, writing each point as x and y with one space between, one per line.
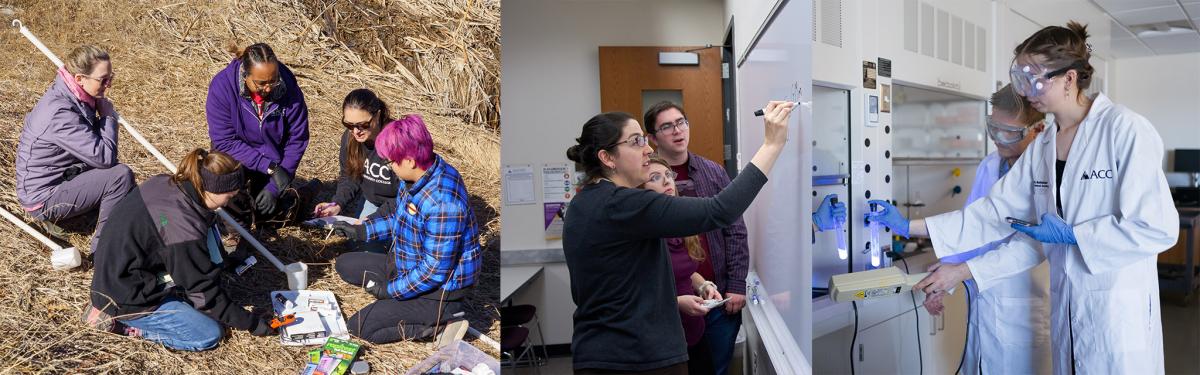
554 219
556 182
518 184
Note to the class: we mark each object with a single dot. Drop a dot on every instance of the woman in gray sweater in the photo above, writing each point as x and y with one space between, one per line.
621 278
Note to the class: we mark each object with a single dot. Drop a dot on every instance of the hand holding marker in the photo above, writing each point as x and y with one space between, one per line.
760 112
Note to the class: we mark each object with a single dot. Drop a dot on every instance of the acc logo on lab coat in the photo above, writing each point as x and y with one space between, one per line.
1097 174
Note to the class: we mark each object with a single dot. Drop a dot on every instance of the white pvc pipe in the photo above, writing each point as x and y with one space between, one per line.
484 338
38 43
28 229
153 151
246 236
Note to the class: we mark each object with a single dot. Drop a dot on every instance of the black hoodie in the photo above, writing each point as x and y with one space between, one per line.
162 227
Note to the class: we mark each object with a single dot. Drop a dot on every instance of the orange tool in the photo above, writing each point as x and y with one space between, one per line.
281 321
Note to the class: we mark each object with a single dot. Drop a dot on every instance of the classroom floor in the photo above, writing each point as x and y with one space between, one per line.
1181 335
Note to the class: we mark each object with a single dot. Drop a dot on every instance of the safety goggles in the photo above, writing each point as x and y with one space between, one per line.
1032 80
1005 134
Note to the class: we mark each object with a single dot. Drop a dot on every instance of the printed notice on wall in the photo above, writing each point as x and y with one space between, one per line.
554 219
556 182
518 184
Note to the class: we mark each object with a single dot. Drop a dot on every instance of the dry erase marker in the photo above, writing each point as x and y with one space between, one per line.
760 112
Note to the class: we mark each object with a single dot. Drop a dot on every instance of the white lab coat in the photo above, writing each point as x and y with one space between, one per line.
1104 291
1009 326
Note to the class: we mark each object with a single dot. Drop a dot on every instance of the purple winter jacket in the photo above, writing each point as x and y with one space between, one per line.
234 126
60 132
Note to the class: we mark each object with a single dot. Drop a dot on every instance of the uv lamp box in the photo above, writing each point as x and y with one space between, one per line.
878 283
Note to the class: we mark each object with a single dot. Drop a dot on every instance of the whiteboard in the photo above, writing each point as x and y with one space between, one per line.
778 67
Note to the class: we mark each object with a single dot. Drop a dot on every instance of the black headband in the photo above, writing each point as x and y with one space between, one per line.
221 183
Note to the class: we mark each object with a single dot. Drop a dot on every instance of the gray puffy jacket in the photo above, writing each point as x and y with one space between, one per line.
59 133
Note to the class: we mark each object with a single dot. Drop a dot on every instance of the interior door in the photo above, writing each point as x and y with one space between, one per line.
631 80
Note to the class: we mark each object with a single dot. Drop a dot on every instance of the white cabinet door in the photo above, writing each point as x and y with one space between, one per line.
888 348
943 338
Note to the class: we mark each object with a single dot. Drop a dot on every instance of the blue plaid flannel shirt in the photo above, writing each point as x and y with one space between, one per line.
435 238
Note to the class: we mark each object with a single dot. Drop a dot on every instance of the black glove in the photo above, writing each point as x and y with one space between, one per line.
378 289
265 202
350 231
262 327
71 172
281 178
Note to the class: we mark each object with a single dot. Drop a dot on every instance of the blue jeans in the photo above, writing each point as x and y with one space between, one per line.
177 325
720 330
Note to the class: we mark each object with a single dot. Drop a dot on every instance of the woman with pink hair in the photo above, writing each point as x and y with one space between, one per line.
434 255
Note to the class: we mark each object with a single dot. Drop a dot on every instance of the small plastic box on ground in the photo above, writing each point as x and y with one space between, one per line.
456 355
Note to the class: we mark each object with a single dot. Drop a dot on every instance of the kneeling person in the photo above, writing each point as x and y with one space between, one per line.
168 228
434 255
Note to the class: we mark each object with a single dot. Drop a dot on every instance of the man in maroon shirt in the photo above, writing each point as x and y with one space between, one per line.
728 256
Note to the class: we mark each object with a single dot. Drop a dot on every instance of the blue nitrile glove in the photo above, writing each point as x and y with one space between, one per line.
829 214
1050 230
889 216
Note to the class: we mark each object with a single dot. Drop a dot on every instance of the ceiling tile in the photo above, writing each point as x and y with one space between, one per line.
1183 43
1150 15
1193 9
1118 32
1113 6
1129 48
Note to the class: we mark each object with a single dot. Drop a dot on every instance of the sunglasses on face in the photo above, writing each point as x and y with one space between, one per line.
104 81
361 126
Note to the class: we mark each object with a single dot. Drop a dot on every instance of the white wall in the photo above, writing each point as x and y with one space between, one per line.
1166 90
551 85
551 73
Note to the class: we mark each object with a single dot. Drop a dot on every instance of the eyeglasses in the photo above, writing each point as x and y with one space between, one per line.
637 140
360 126
660 177
104 81
1005 134
680 124
272 84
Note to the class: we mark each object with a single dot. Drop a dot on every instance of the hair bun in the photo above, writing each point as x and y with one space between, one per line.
1079 30
574 153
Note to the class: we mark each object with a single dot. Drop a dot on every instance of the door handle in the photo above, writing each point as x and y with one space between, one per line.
933 324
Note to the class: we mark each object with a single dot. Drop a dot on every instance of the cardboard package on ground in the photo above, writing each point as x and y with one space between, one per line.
335 358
